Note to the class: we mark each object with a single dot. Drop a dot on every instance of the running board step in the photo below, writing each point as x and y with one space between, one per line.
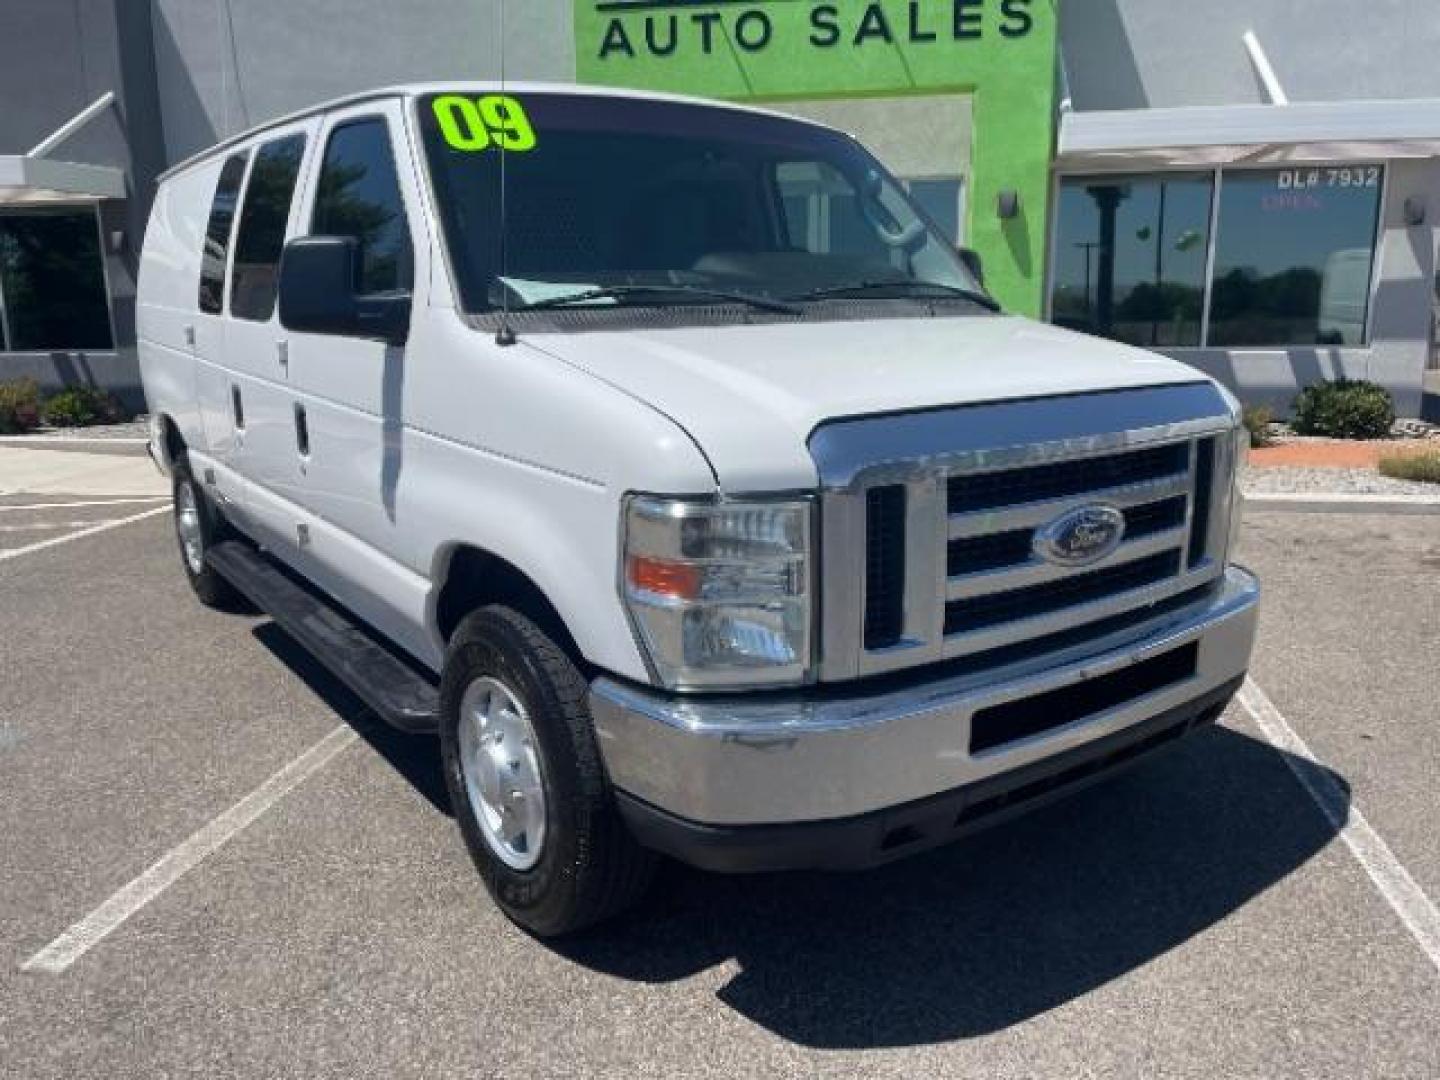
400 694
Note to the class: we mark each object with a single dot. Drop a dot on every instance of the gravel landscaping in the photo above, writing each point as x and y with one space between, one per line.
1287 480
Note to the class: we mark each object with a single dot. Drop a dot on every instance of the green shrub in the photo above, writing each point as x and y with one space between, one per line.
19 406
1257 420
1344 409
1423 467
77 406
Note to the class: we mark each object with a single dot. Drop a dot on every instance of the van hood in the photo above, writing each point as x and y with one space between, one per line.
751 395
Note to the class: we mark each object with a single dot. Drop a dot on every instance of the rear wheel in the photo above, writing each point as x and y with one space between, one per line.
197 528
526 781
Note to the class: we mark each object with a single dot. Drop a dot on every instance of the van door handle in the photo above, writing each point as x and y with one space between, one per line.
237 412
282 355
302 431
189 335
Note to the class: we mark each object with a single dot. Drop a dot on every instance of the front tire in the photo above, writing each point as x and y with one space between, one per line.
526 780
197 529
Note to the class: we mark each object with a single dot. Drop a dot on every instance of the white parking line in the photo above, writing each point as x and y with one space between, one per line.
1416 910
42 526
88 502
41 441
41 545
89 931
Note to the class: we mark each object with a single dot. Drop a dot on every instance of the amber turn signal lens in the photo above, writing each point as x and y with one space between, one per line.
663 577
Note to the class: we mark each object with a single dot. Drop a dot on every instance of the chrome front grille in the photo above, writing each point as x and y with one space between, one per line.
997 513
943 543
1152 471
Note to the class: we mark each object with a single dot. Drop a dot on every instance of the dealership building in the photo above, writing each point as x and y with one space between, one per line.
1251 186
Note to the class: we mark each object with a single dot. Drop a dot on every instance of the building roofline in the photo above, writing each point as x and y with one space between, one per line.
38 179
1342 129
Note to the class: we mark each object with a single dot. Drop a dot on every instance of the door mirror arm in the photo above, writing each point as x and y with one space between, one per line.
385 316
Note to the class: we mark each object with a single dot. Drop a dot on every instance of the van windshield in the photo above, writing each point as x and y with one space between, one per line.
615 202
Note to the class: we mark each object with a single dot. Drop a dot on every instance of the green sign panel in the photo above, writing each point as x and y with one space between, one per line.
1001 51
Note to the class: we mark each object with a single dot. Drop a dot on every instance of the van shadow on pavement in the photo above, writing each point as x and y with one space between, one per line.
977 937
963 941
414 757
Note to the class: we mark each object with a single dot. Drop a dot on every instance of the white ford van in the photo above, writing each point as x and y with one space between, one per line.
663 458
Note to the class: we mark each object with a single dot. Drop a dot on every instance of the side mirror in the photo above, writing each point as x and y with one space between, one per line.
971 258
318 295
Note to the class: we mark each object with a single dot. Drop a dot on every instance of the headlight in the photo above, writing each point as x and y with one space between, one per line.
1240 455
719 592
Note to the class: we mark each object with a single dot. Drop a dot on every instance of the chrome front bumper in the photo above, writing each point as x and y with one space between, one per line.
824 755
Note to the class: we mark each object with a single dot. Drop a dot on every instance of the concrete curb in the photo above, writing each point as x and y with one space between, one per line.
77 444
1341 503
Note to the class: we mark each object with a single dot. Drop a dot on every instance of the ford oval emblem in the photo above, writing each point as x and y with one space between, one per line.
1081 536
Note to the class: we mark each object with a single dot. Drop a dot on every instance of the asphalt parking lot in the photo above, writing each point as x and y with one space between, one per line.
1200 916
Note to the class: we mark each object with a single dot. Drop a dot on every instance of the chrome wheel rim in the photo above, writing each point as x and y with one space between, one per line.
501 768
187 524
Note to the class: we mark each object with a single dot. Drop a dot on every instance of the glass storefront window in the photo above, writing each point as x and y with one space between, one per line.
1130 257
1293 256
53 280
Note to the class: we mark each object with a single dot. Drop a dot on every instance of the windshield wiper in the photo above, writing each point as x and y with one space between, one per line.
654 292
903 288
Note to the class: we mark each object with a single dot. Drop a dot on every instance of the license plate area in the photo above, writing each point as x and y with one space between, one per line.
1000 725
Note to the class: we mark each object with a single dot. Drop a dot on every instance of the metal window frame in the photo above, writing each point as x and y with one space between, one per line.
1217 175
103 248
1377 252
1212 244
5 336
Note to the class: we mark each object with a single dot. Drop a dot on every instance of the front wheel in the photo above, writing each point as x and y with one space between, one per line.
197 528
526 781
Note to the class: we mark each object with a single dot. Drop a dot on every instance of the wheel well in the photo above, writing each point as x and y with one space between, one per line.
174 442
476 578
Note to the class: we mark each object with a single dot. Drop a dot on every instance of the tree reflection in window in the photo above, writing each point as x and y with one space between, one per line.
215 250
358 194
1130 257
1293 256
263 220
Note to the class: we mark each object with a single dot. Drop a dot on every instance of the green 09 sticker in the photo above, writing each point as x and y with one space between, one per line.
480 123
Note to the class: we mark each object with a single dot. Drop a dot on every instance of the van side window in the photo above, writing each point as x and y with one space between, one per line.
217 234
262 227
358 194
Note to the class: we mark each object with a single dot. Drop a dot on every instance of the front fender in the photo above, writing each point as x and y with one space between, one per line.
563 534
